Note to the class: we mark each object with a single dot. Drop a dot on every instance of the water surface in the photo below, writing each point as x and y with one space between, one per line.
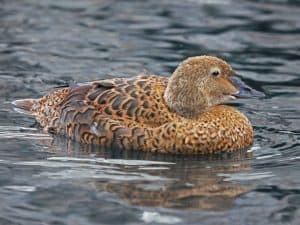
48 180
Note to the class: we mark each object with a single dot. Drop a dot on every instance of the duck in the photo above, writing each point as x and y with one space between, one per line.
183 114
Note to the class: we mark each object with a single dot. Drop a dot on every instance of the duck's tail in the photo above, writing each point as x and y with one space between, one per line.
25 106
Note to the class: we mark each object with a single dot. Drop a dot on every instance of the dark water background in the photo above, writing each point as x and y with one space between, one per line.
46 180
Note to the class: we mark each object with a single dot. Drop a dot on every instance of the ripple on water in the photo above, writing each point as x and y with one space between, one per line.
97 168
155 217
10 132
20 188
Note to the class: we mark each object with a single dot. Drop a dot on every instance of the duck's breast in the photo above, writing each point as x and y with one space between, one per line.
222 128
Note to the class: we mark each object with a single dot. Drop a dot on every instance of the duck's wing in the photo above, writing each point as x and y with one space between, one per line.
138 99
119 111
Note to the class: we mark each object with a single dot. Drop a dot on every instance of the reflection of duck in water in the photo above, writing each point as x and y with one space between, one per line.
200 182
185 185
151 113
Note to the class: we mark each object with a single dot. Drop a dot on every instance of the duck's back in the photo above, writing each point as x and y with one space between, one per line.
136 101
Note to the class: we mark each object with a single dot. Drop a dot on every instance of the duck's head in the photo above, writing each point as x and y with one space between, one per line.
201 82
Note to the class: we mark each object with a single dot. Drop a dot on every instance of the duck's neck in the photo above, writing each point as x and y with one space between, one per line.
184 98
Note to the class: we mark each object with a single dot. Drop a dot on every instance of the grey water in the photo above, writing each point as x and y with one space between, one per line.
50 180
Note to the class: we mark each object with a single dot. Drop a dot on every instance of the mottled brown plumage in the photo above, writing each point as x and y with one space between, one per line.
151 113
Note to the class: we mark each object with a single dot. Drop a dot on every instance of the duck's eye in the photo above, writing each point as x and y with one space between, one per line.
215 73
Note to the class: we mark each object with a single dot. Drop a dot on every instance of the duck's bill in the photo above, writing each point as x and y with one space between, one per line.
244 90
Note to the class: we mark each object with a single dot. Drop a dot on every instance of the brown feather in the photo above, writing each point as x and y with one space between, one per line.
133 113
